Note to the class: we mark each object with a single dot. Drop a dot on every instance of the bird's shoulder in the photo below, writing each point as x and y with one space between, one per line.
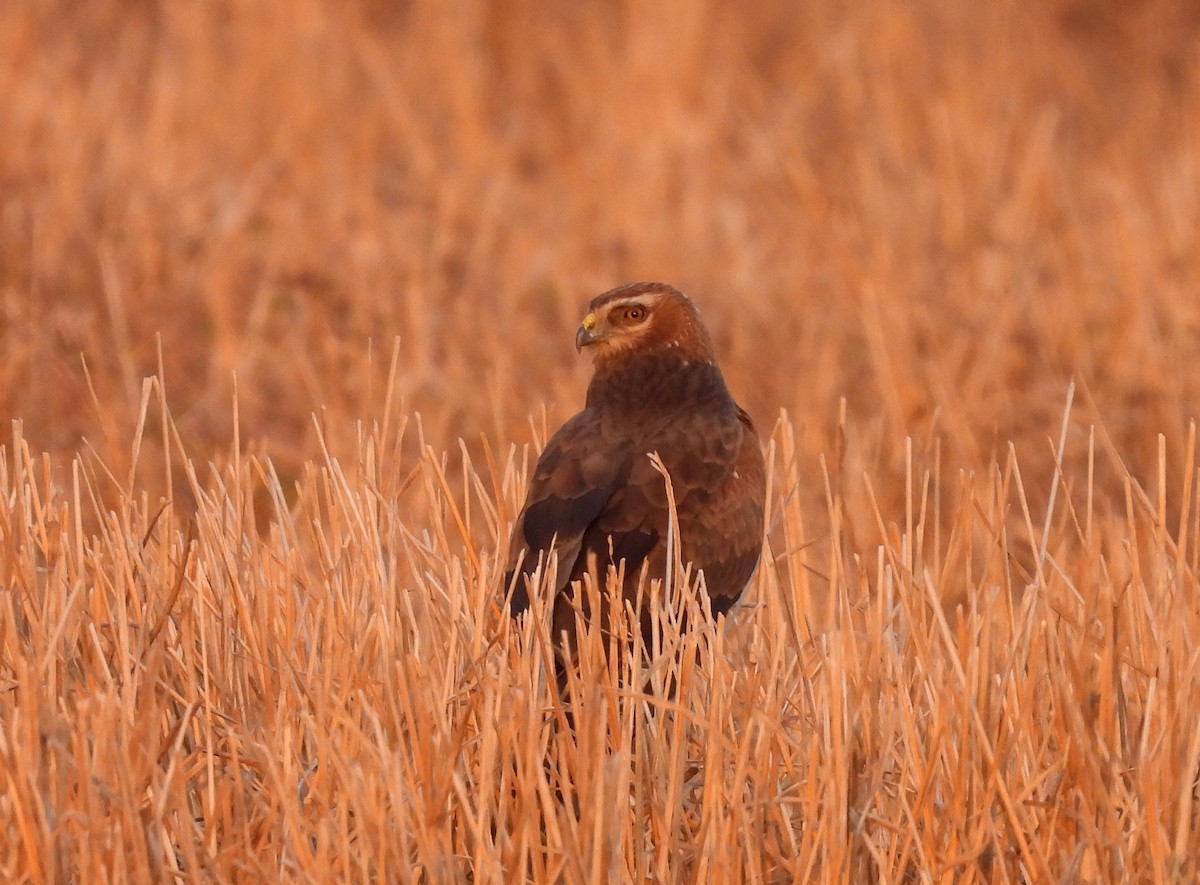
721 511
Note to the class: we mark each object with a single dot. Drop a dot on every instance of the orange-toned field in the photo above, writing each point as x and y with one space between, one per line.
288 293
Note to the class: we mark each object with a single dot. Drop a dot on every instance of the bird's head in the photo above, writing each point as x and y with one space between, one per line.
644 317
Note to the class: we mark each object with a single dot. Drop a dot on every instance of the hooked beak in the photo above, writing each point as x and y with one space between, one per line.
587 333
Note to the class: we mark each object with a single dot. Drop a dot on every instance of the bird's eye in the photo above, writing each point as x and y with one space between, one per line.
634 314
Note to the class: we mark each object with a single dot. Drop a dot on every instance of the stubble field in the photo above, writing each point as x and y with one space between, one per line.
288 294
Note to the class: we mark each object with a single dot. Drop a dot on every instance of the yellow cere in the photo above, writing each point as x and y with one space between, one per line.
589 321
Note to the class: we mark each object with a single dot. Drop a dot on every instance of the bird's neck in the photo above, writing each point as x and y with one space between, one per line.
656 381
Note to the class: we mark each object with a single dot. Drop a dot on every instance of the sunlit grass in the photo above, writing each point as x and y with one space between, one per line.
330 690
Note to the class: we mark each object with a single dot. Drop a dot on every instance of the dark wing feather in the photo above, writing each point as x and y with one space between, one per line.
575 476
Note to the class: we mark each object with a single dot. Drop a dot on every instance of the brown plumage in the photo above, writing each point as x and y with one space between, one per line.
595 497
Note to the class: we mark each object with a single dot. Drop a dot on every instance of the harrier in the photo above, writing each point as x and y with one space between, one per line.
596 499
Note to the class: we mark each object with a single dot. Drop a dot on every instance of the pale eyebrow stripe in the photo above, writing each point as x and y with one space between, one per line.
646 298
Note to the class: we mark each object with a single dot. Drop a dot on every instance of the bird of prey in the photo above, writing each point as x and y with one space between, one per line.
596 498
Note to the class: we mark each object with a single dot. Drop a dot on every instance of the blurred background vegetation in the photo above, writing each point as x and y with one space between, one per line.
938 211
